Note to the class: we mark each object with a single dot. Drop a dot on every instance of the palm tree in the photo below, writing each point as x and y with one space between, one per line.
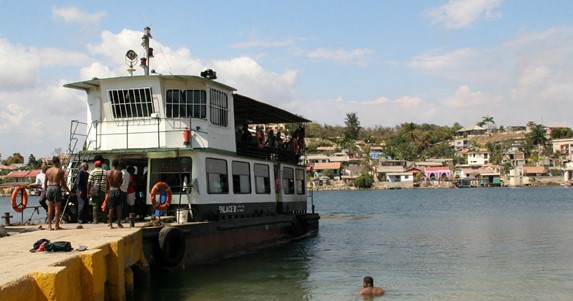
486 120
537 136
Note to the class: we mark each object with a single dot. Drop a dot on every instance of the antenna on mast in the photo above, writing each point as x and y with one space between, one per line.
148 50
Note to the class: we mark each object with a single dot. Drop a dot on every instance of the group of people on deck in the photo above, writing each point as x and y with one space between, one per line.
269 143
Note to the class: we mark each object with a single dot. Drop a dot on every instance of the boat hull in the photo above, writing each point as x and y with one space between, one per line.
177 246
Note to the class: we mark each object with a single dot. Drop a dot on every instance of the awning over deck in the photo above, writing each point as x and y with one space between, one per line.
248 110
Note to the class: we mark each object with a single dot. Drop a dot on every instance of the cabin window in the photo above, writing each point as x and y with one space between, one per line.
219 108
299 181
241 177
176 172
131 103
217 176
288 180
186 103
262 179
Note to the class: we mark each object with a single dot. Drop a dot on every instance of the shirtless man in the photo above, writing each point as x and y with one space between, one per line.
114 195
55 180
368 289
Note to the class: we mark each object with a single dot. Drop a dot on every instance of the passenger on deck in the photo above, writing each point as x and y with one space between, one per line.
271 139
279 140
247 137
260 137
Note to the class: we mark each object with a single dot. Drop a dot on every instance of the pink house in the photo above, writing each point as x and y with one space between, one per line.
437 172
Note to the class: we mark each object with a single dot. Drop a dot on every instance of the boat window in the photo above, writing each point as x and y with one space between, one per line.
186 103
262 179
176 172
130 103
241 177
219 108
300 181
288 180
217 176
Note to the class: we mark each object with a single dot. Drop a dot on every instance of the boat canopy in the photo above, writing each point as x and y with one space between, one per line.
250 111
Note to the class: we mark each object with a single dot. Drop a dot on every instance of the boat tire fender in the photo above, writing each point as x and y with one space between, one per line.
171 246
19 207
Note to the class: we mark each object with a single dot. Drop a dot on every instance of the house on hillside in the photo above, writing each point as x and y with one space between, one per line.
478 157
564 147
472 130
531 172
320 169
437 173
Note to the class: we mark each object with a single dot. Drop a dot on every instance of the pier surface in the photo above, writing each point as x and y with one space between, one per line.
102 271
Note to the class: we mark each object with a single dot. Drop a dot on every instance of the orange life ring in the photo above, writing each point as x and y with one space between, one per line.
164 206
24 199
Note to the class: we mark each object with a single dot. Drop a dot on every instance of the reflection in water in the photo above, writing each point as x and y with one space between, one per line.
281 271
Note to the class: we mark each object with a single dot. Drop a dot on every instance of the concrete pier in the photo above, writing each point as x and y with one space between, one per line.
104 271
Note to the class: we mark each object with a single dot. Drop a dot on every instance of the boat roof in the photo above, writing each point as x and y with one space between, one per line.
248 110
95 82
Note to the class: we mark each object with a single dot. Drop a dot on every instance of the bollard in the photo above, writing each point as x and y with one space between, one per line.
7 217
132 220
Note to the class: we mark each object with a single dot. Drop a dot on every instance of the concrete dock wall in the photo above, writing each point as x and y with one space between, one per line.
102 272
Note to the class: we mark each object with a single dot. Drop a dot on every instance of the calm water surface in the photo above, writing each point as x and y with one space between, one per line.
419 244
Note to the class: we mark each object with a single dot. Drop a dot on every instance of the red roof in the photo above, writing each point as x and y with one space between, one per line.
533 170
23 174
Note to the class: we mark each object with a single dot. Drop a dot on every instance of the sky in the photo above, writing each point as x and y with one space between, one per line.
388 61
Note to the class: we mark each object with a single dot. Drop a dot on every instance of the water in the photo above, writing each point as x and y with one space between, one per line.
418 244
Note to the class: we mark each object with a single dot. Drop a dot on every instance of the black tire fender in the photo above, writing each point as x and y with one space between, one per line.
171 246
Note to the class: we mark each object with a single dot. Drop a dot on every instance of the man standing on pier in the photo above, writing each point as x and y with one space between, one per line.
55 180
114 195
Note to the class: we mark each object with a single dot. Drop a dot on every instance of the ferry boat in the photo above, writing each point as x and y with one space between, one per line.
187 138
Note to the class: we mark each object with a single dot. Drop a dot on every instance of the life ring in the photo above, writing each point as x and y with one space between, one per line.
160 206
19 207
171 244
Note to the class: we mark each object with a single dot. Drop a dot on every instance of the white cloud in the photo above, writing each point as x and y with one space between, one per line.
465 97
357 56
72 15
453 60
462 13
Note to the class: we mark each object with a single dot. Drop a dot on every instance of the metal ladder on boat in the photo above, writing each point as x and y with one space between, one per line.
77 139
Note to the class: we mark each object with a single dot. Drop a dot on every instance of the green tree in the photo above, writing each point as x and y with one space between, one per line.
560 133
352 129
32 162
364 180
16 158
486 120
537 136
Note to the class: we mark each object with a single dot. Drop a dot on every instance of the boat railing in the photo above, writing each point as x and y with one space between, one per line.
279 154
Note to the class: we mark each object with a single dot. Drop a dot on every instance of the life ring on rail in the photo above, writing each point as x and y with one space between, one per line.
19 207
164 186
171 246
